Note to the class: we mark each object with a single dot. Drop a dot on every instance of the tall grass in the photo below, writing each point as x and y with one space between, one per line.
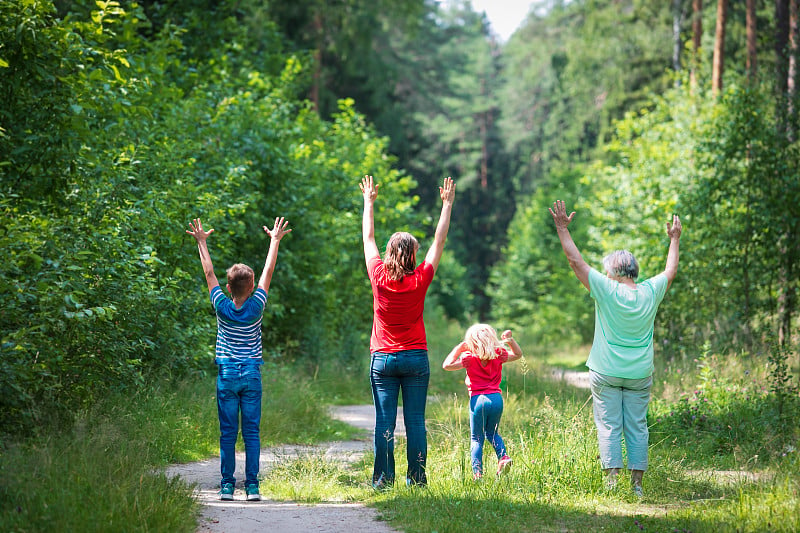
556 483
708 414
103 473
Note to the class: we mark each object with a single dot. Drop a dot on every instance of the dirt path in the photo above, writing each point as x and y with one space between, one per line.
241 516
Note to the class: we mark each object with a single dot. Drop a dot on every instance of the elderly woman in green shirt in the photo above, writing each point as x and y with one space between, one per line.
621 359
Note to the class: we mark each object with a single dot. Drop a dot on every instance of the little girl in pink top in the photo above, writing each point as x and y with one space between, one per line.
482 354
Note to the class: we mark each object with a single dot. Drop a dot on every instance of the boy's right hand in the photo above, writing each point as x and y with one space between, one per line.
278 229
196 231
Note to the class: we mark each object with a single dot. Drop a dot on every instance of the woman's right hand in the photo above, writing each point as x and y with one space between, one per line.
369 189
674 229
448 190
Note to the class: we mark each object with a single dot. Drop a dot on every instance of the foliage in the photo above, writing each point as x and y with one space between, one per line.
104 286
570 72
533 289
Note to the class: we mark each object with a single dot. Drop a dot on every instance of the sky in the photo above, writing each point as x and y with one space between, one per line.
505 16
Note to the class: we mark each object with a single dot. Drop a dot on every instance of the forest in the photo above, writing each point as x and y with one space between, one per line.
122 121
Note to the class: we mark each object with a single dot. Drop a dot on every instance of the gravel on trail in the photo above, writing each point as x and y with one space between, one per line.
240 516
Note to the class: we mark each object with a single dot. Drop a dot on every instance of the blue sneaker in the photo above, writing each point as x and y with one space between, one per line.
252 493
226 492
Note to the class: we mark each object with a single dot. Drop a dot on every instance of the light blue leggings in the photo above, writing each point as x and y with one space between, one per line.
620 408
485 411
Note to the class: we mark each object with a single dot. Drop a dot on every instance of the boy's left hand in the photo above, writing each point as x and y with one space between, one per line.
196 231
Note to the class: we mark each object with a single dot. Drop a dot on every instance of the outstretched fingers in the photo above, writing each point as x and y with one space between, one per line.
448 190
559 212
368 187
279 228
196 229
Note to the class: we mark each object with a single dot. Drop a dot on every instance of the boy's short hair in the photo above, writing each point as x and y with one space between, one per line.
240 280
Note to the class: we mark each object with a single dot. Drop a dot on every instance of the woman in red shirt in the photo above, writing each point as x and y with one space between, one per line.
482 354
398 344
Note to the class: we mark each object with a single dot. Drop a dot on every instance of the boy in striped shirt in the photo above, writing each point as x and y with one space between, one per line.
238 356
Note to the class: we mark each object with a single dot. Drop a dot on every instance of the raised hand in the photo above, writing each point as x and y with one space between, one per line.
196 231
278 229
559 212
448 190
368 188
506 335
674 229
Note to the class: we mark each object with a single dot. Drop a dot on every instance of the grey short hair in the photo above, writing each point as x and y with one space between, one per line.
621 263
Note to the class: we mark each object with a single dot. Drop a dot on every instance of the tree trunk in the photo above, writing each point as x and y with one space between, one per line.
697 37
484 129
752 48
317 75
788 248
719 47
791 75
781 44
677 20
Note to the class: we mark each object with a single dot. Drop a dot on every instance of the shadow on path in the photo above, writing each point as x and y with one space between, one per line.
241 516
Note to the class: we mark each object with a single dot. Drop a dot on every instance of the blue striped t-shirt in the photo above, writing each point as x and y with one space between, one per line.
238 330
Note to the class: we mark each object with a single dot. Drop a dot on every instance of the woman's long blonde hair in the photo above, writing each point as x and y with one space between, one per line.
400 259
482 341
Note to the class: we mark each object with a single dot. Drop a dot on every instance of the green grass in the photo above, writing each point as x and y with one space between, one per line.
556 483
103 473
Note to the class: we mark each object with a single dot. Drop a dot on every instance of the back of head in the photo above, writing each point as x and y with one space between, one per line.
482 341
241 279
622 264
400 259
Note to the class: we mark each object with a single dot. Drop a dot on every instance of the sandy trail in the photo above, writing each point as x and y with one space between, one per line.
241 516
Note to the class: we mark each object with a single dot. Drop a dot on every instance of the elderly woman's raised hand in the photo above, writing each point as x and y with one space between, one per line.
560 217
674 229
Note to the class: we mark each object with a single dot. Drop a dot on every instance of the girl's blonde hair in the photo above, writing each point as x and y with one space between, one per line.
400 259
482 341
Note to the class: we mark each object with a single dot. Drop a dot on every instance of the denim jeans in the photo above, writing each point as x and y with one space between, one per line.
620 408
485 411
390 373
239 391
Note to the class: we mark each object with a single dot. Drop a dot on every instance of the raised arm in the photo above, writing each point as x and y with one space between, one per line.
576 262
276 234
516 351
453 359
674 232
196 231
448 194
370 191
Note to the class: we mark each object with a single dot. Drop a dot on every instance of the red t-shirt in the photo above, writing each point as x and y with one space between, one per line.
484 379
397 324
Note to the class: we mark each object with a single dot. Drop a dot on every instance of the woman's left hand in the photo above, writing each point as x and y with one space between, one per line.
368 188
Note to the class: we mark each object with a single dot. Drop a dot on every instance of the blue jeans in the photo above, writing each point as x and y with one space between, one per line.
239 391
389 373
620 408
485 411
